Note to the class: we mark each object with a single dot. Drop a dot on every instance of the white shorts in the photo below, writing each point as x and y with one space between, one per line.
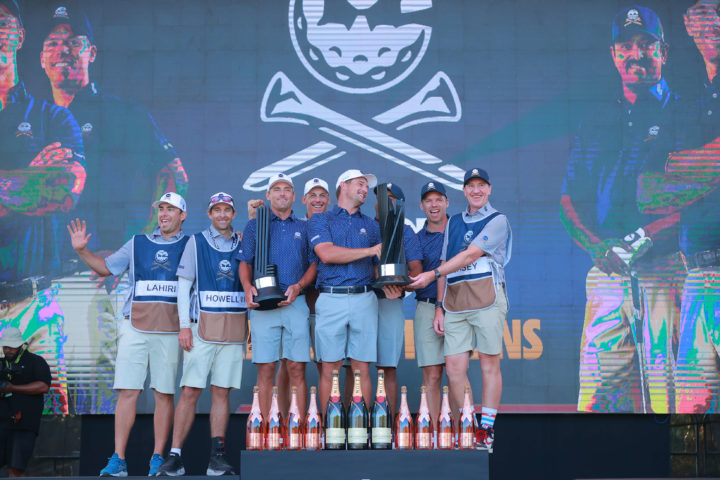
222 360
136 350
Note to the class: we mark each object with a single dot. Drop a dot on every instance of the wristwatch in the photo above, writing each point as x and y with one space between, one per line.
438 304
437 273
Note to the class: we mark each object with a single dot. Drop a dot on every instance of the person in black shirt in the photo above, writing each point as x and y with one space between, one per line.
24 380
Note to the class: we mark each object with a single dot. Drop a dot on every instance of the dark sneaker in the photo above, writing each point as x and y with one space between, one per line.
155 462
116 467
219 465
171 467
484 438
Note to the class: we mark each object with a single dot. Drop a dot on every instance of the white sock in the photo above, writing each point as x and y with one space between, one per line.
176 451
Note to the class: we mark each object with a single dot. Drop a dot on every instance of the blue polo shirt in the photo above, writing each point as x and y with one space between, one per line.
33 244
344 230
431 244
288 247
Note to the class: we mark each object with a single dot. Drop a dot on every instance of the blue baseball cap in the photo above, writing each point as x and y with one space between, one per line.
635 19
432 187
395 190
476 173
67 13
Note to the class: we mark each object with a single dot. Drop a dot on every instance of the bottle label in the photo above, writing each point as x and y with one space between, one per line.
357 435
312 441
274 440
255 440
381 435
445 440
467 440
403 440
334 435
423 440
294 441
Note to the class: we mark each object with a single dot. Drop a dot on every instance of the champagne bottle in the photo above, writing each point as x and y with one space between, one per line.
403 424
357 418
312 423
255 436
445 424
293 427
274 425
381 422
335 417
423 424
466 425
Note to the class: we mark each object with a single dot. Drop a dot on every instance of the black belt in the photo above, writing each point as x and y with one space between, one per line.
346 290
428 300
707 258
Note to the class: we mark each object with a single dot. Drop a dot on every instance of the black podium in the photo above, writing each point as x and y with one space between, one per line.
366 464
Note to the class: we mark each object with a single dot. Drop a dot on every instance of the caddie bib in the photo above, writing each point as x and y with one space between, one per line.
472 287
154 301
221 301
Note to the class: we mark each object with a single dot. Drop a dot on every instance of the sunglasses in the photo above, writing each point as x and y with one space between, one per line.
221 198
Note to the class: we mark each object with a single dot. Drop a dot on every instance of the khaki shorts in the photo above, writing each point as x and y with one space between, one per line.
223 361
137 350
428 344
481 329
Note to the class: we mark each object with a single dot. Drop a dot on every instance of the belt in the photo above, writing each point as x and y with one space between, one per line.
707 258
432 300
346 290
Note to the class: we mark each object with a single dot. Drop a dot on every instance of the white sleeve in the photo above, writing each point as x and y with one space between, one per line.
183 301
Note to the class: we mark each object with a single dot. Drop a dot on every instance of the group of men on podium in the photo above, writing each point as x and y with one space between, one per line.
193 293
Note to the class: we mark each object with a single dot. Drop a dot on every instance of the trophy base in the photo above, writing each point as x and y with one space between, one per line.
269 293
392 274
268 298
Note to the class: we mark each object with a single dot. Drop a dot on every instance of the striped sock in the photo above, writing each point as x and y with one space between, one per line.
488 417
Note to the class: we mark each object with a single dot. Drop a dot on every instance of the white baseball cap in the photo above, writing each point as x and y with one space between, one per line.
315 182
174 199
279 177
11 337
353 173
221 197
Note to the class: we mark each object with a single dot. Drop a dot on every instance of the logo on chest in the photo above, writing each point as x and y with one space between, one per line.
225 270
468 237
24 129
161 261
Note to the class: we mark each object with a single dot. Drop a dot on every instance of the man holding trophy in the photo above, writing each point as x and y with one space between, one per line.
347 244
284 321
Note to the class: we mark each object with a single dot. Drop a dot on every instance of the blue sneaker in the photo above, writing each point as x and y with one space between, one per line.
155 462
116 467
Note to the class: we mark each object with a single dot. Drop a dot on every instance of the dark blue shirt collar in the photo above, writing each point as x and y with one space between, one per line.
660 91
274 217
18 93
338 210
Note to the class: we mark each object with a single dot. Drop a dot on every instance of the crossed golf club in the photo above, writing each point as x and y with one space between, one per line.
160 265
283 102
226 276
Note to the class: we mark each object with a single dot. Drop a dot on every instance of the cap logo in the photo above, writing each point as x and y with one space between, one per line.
431 185
389 185
60 12
87 128
280 175
633 18
315 180
168 195
475 171
24 128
